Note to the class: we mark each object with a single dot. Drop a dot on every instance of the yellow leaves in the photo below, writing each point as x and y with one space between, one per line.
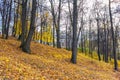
18 69
47 63
19 9
47 36
28 24
38 15
46 14
4 59
43 78
7 60
58 56
66 78
17 27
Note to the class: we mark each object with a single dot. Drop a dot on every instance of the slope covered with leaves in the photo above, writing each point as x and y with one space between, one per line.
47 63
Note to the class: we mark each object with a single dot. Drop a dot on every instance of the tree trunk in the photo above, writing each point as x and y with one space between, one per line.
105 42
53 35
82 45
9 19
3 18
58 38
26 46
70 27
98 40
58 25
74 42
66 37
41 31
23 18
90 40
113 39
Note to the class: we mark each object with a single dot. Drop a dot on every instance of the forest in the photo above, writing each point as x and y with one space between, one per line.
59 40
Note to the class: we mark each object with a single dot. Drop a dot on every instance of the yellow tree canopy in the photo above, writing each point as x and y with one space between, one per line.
17 27
47 36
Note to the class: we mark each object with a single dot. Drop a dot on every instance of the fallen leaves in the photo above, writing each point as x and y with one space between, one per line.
47 63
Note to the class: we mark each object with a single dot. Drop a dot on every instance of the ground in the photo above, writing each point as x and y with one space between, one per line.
48 63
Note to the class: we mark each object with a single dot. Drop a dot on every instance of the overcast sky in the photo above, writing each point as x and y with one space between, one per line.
89 4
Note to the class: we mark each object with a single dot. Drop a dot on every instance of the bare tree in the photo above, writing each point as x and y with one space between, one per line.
56 20
26 46
23 18
74 43
5 10
113 38
90 37
9 19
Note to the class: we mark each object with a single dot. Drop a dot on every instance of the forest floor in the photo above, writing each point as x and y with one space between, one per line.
48 63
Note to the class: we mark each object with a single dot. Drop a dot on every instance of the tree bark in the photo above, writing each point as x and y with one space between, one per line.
56 24
90 40
105 42
74 42
26 46
23 18
113 38
9 19
98 40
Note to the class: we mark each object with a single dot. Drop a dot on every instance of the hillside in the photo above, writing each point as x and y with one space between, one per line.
47 63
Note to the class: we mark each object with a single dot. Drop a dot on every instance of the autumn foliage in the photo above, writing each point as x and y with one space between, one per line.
47 63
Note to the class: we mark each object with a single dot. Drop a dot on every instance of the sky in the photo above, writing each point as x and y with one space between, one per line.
90 2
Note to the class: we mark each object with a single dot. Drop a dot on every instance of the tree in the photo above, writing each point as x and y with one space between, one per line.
98 39
97 11
5 10
9 19
56 18
70 26
90 38
26 46
23 18
105 41
74 24
113 38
